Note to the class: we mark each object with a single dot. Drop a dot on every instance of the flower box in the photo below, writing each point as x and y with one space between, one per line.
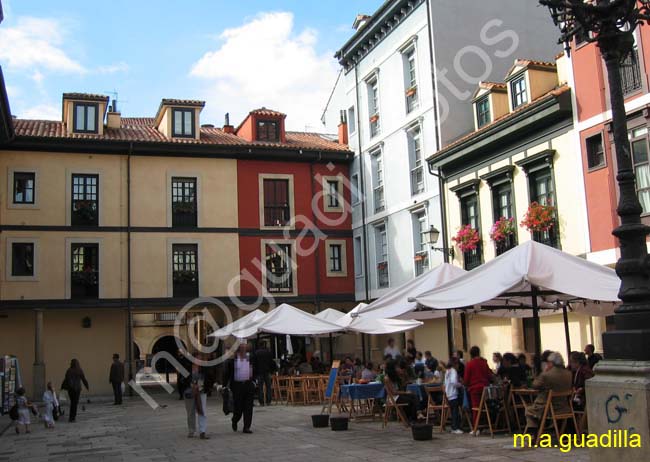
539 218
411 91
467 238
502 228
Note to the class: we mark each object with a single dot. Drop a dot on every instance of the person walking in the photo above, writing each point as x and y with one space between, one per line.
265 367
182 373
116 378
24 407
51 403
195 395
74 377
240 371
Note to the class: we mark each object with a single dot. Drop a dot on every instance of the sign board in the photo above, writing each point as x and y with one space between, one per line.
331 382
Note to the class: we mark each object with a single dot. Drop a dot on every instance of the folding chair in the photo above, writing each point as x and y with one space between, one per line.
434 408
484 410
391 405
312 390
296 391
581 417
554 416
281 388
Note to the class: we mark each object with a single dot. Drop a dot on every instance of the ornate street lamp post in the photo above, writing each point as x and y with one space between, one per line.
618 397
611 24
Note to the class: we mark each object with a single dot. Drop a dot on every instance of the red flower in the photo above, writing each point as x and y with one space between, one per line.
539 217
502 228
466 238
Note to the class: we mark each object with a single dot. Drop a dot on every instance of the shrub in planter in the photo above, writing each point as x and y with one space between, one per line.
467 238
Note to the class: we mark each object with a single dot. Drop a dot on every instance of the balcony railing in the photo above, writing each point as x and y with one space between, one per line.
165 317
417 180
421 262
84 284
382 274
84 213
184 215
186 284
631 73
473 258
277 215
378 195
548 238
508 243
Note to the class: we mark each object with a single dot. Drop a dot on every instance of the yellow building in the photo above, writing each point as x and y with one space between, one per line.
111 225
523 150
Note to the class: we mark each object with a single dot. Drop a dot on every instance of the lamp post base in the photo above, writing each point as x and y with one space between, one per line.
618 400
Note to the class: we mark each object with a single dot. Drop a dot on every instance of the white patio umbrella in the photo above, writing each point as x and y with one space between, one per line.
246 321
352 322
288 320
529 276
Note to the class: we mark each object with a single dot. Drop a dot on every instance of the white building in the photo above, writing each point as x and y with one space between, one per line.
408 76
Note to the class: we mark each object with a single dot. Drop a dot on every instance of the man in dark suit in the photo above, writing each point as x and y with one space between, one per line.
239 377
116 378
265 367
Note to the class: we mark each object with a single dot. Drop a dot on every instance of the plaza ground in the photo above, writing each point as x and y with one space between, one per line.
136 433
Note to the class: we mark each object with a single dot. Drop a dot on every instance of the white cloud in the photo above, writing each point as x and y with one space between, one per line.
265 62
40 112
36 43
113 68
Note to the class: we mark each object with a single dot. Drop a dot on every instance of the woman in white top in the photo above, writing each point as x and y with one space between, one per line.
454 397
51 403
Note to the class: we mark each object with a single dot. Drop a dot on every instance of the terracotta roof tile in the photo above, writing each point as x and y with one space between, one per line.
141 129
183 102
551 94
85 96
267 112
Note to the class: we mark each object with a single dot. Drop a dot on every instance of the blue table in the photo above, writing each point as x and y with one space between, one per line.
357 391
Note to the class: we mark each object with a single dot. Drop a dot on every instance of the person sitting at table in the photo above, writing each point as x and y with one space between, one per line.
524 369
477 376
554 378
579 366
390 349
358 368
304 367
510 371
396 388
317 365
406 369
347 368
592 357
368 373
430 361
496 359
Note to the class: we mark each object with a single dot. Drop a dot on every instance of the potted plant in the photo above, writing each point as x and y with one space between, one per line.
411 91
502 229
467 238
539 218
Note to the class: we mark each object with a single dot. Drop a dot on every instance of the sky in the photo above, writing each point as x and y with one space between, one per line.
235 55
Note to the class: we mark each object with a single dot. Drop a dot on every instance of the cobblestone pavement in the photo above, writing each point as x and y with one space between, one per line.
135 433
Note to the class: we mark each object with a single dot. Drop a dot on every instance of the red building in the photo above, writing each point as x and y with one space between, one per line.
296 242
596 139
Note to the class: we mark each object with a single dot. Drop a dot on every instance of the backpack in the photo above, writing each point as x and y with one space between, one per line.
13 412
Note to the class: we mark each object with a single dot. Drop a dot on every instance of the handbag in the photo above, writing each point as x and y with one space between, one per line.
228 403
13 412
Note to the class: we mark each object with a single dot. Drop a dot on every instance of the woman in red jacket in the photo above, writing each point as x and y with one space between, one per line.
477 376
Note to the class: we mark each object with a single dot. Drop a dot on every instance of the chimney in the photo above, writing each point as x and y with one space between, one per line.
343 129
113 118
360 21
227 128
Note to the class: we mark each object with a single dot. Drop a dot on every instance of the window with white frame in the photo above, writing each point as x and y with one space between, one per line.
358 258
377 165
483 111
352 121
336 258
332 194
381 252
279 267
373 105
354 184
420 248
410 79
415 160
518 91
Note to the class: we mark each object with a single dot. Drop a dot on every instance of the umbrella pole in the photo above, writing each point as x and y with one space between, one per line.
363 347
450 333
538 333
331 349
566 332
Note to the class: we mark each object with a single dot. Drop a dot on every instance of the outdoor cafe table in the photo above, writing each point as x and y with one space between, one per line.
361 397
520 399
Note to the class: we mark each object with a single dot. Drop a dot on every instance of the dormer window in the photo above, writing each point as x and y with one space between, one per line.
483 111
85 118
268 130
183 123
518 91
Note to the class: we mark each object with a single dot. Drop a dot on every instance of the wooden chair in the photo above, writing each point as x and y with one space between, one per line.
281 388
433 408
550 414
312 388
391 405
581 417
519 400
484 410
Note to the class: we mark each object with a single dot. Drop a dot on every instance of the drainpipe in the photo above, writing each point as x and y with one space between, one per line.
445 255
363 205
314 219
129 335
434 86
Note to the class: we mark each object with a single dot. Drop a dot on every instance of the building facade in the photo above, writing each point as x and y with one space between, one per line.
519 160
594 136
111 226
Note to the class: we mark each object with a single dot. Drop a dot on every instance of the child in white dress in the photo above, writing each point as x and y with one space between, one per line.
24 409
49 398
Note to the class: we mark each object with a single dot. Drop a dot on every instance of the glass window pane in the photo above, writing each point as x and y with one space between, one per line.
178 123
640 151
79 118
188 122
90 118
